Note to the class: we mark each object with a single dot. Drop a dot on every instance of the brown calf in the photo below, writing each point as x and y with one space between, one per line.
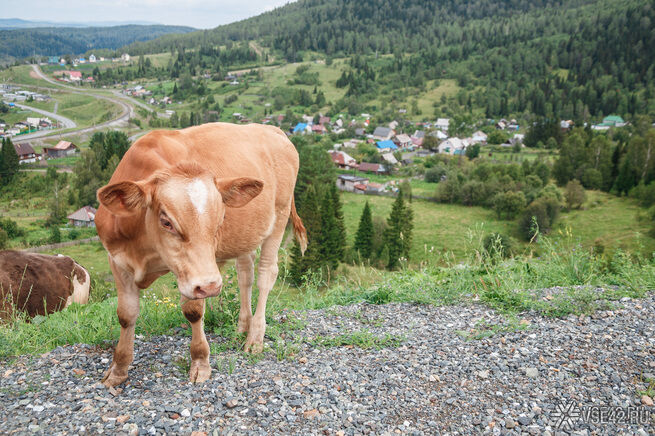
186 201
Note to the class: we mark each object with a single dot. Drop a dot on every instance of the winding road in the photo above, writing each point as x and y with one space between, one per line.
125 103
67 122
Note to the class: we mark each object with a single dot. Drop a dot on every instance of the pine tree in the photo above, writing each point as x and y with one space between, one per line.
340 233
328 236
364 236
311 217
398 236
8 161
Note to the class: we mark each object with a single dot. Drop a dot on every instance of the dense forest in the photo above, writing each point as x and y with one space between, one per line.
560 59
58 41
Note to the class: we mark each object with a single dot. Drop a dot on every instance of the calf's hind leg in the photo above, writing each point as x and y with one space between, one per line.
194 311
268 270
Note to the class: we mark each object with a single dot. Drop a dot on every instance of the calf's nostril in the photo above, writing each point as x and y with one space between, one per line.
199 292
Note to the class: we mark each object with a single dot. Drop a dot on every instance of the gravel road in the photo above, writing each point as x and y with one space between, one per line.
438 380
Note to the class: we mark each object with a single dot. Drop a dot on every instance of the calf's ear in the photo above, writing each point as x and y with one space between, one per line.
237 192
123 198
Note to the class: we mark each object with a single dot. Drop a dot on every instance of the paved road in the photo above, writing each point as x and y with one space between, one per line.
67 122
127 110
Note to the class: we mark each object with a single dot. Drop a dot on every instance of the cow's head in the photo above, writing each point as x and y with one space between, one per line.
184 208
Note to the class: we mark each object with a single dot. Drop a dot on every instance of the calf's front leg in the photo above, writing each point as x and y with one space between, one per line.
127 311
194 311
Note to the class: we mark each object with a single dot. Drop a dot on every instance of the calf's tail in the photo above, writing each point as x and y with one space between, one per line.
298 228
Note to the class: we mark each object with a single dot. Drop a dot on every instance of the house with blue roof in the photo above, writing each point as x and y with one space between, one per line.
386 144
300 128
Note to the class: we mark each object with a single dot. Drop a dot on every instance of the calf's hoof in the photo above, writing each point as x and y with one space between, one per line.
113 377
254 342
199 372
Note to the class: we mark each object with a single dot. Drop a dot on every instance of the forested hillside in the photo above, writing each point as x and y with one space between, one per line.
568 59
57 41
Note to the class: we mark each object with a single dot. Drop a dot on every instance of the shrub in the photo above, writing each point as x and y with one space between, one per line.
509 204
11 228
539 216
644 194
434 174
498 246
592 179
4 240
574 195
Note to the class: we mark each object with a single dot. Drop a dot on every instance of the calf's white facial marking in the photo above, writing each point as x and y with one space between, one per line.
197 192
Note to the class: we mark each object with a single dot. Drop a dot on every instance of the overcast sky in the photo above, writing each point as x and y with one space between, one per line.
202 14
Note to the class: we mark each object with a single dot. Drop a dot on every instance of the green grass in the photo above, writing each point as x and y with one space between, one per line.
86 110
437 227
360 338
445 87
511 286
21 75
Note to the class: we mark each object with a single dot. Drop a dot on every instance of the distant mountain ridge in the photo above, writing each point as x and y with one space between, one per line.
19 23
57 41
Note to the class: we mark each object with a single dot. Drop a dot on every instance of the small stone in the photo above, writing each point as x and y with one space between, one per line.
524 420
175 416
302 360
78 371
532 372
131 428
146 403
231 404
645 400
122 419
198 433
309 414
340 433
34 428
483 374
509 423
185 413
40 408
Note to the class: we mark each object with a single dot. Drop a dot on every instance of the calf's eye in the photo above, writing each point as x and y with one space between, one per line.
165 223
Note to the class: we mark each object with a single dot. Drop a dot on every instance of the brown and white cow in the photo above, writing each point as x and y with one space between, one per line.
38 284
186 201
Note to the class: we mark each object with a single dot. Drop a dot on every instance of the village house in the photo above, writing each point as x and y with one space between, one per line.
302 128
92 58
26 153
83 217
384 146
125 57
343 160
403 141
319 129
346 182
438 134
375 188
479 137
452 146
72 76
442 124
390 158
383 133
375 168
62 149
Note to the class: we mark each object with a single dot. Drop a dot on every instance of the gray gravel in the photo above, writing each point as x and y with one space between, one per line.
439 380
